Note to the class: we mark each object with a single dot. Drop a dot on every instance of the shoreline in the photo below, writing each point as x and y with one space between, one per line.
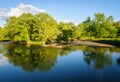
80 43
77 43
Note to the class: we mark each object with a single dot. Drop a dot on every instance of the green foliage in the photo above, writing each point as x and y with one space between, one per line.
48 27
30 23
77 33
28 27
1 32
66 31
43 28
117 25
99 27
17 31
86 29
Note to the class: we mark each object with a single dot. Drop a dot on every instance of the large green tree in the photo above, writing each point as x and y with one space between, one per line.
110 30
30 23
47 27
28 27
99 24
17 30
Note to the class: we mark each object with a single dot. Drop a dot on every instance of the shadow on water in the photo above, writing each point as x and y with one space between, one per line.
33 57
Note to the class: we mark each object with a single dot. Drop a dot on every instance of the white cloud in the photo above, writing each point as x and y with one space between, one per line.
17 11
3 15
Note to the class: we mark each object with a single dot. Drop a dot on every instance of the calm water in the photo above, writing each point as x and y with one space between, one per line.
73 64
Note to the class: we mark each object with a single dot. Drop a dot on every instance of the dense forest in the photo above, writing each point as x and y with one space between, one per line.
43 28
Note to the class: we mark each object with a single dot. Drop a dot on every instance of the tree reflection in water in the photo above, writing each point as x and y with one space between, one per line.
99 56
118 61
38 58
34 57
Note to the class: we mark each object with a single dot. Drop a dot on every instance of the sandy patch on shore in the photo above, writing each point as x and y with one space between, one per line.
80 43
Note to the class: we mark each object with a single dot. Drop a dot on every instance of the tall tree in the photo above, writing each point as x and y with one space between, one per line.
48 27
99 21
30 23
17 29
110 30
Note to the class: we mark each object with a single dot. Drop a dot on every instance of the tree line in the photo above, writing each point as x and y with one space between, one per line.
44 28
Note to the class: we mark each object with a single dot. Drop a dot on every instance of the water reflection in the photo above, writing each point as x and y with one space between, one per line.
118 61
43 59
3 60
99 56
34 57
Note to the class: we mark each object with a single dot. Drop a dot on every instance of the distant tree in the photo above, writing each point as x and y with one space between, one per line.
99 24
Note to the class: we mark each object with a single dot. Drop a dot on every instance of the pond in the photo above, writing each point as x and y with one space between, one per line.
20 63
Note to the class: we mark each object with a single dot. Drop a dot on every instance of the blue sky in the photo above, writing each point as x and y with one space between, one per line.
70 10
